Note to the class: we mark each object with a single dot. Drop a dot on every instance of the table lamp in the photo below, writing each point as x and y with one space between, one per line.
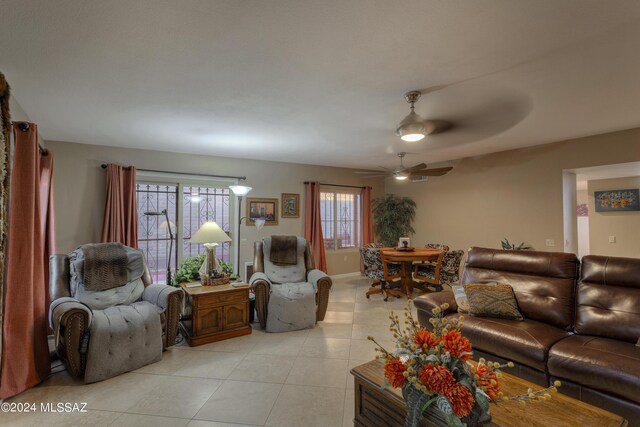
210 234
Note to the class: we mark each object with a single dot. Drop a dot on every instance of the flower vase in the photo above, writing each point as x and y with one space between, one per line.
415 400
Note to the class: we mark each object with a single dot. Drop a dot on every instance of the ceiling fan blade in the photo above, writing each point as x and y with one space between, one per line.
415 168
380 175
431 172
371 173
437 126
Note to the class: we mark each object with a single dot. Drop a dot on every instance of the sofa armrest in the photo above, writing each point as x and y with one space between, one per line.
322 283
70 320
427 302
169 299
261 287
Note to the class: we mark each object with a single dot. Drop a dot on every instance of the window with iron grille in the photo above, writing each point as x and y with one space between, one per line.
198 204
340 217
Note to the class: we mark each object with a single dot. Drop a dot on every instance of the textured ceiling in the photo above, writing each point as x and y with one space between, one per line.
321 82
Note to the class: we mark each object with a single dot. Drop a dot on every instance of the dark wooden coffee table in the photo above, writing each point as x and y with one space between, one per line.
377 407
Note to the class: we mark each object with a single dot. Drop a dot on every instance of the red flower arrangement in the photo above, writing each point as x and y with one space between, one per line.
431 367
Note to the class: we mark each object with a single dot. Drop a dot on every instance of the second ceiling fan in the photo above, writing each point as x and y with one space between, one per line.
401 173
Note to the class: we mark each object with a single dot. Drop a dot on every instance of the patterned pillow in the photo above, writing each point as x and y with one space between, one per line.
461 297
492 301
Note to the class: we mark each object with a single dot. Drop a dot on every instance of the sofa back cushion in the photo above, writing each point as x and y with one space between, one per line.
608 301
544 283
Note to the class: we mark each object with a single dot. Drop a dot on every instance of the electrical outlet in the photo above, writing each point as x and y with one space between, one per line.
612 239
550 242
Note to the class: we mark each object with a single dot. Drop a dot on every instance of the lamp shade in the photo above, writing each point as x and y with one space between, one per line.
210 232
239 190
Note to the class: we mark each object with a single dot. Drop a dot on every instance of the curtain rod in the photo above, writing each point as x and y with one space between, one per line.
241 178
341 185
24 127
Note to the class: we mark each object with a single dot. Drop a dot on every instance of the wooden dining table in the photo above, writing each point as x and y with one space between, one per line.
406 258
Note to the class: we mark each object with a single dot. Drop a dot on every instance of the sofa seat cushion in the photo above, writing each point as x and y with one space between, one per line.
522 341
603 364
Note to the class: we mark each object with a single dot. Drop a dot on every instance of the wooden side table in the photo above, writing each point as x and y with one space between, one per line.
218 312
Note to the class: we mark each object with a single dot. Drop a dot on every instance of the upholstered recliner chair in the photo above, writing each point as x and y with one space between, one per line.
107 315
290 292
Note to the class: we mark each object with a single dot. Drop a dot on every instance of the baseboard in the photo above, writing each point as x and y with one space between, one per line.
342 276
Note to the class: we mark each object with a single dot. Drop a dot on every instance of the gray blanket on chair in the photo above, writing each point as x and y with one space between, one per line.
123 338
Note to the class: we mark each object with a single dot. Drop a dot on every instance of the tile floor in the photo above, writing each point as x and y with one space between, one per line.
293 379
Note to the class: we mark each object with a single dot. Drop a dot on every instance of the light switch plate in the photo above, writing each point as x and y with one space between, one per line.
612 239
550 242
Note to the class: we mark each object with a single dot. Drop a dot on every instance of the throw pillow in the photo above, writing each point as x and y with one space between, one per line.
461 297
492 301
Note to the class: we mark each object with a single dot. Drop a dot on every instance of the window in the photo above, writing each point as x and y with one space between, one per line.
340 214
198 204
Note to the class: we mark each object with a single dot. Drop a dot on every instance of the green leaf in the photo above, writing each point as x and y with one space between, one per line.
481 399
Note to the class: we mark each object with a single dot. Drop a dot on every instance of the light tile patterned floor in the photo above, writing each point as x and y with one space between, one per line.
292 379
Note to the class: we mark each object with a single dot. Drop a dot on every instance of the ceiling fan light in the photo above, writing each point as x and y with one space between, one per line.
412 137
401 177
411 128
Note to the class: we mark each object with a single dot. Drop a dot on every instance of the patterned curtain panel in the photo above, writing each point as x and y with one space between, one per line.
5 125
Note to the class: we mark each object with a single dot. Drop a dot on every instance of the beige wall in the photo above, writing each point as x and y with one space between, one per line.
583 224
515 194
624 226
79 187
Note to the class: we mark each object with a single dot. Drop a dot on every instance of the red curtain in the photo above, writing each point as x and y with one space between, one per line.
120 212
313 224
367 220
31 241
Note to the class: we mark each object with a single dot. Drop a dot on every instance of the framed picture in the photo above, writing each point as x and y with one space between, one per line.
404 242
617 200
290 205
266 209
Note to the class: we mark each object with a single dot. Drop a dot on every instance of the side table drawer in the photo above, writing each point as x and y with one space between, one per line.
222 298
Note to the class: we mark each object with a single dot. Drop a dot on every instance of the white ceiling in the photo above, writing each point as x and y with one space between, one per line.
321 82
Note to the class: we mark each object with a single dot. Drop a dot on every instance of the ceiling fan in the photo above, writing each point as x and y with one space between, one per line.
413 127
401 173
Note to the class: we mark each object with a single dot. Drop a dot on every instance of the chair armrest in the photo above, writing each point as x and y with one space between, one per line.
169 299
322 283
427 302
160 295
261 287
315 276
70 320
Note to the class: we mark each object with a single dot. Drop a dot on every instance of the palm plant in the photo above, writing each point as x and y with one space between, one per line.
392 218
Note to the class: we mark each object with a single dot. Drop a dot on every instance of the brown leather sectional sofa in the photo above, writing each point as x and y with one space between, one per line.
581 323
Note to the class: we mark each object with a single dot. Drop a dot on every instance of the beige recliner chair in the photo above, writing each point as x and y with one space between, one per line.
105 331
288 288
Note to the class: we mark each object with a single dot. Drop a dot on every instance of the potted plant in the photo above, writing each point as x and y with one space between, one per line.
188 269
506 245
392 218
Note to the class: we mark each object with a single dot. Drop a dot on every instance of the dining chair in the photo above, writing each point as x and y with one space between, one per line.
444 274
383 273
